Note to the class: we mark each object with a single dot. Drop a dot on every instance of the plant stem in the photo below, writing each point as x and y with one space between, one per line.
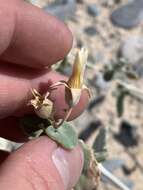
66 117
113 178
8 146
134 91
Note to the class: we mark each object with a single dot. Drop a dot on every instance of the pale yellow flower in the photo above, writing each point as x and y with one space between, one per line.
76 80
77 77
75 84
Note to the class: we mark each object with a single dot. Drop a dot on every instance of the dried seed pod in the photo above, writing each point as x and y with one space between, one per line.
42 105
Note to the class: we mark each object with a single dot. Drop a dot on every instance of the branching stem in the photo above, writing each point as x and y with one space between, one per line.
134 91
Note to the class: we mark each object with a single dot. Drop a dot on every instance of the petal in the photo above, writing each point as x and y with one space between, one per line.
76 79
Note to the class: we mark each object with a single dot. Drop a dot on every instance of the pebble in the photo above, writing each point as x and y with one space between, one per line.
93 10
80 1
129 15
128 135
90 30
113 164
132 50
65 9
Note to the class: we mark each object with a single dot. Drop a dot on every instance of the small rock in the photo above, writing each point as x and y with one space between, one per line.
90 30
128 135
80 1
132 49
65 9
93 10
129 170
129 15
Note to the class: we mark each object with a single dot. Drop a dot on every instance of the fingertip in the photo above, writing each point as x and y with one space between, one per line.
69 164
65 41
32 166
81 106
40 39
41 164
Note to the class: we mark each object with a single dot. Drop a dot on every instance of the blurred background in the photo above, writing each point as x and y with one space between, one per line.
112 30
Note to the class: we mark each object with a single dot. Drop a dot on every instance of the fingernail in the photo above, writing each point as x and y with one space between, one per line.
60 160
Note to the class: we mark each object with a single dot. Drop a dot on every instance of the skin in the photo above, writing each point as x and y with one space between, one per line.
30 42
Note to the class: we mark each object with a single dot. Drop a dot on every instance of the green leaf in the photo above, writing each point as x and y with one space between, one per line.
99 145
100 141
65 135
87 155
120 103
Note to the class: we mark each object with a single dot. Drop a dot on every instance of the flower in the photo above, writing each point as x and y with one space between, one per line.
76 80
75 84
42 105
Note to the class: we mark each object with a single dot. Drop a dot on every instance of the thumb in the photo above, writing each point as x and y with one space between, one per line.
41 165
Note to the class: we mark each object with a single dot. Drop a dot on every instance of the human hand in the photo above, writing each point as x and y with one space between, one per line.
30 40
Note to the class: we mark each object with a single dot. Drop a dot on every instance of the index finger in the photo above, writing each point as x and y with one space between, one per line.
30 37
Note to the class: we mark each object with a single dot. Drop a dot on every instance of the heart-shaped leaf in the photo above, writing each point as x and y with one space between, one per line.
65 135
